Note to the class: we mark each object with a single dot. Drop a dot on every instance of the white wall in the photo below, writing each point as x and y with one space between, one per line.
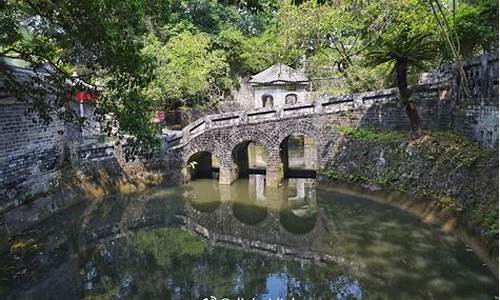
278 92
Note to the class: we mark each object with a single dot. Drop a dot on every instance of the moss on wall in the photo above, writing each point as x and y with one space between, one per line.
442 168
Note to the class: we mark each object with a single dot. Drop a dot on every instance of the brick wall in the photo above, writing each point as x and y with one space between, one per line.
30 154
475 111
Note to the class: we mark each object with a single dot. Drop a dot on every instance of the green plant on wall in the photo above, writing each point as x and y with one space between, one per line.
192 165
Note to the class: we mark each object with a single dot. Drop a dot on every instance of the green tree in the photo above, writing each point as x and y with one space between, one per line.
186 70
104 41
476 25
404 52
100 39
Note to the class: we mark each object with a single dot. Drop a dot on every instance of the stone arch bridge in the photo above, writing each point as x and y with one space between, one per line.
223 135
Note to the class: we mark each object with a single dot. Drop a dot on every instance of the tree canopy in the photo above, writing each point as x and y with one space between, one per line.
162 54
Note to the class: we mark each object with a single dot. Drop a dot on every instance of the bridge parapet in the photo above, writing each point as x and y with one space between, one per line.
321 106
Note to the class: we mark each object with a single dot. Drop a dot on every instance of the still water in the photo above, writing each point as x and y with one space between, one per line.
298 241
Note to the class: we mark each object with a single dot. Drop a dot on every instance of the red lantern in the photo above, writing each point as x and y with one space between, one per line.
160 115
79 96
87 97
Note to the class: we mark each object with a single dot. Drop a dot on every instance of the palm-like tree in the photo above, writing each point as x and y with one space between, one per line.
404 52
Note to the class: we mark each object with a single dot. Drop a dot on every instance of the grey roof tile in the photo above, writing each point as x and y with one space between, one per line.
279 73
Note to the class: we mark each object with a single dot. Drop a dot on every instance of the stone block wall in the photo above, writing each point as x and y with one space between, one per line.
473 110
441 100
30 154
105 163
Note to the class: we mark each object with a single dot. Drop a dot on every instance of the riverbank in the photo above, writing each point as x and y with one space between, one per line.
454 180
75 186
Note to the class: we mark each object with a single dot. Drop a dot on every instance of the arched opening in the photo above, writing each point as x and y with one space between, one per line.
248 213
291 99
267 100
202 165
250 158
298 154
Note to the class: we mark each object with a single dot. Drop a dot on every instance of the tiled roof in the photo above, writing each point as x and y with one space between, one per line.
279 73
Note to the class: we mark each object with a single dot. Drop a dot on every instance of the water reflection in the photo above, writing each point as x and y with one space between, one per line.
256 186
171 264
245 240
293 205
204 195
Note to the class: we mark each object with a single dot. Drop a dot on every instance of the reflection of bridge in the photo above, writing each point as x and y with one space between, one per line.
271 220
226 136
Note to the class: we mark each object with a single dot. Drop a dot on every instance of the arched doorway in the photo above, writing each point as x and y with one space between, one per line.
298 154
202 165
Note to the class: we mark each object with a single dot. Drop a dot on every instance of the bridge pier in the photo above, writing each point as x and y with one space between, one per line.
227 174
274 175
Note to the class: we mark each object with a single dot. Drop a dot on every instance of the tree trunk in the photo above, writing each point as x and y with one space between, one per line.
405 93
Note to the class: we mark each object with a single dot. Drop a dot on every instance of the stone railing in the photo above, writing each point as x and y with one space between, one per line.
323 105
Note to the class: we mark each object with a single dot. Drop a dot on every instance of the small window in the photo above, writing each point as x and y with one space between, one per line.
291 99
267 101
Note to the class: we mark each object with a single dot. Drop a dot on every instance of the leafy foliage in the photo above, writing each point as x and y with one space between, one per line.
166 245
186 69
476 25
161 54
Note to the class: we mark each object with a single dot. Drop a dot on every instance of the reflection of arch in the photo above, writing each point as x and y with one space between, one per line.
256 187
295 224
204 195
291 99
267 100
298 213
249 213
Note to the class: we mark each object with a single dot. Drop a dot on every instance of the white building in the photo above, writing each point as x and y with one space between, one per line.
279 85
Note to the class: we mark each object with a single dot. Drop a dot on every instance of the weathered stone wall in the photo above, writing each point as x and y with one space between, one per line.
37 158
445 176
473 110
30 154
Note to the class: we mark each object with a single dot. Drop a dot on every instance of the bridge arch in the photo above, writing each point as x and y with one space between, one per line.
199 156
245 163
199 165
310 136
237 144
